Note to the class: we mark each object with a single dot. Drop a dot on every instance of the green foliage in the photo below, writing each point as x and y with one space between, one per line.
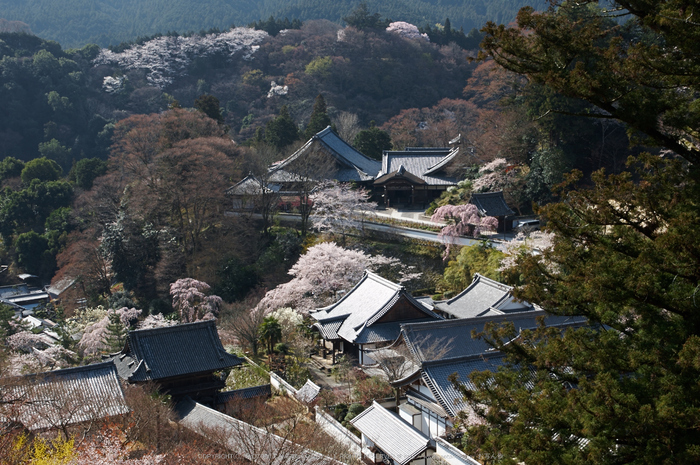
247 376
42 169
273 26
320 67
116 333
461 194
625 256
6 315
209 105
270 332
56 152
481 258
254 77
236 280
34 254
319 118
372 142
445 35
353 411
360 18
281 131
10 167
87 170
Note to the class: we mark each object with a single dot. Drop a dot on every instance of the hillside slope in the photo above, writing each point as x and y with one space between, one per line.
75 23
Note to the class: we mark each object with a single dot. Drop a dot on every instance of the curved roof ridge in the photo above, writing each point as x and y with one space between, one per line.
445 161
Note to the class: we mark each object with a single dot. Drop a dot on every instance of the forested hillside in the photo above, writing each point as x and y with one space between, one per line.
75 23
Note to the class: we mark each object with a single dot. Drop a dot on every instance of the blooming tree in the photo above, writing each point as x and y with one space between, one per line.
323 272
166 57
191 301
95 335
494 176
406 30
337 206
462 220
155 321
523 244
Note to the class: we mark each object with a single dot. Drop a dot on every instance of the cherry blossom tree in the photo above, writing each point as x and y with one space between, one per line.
155 321
534 243
191 301
406 30
323 272
96 336
166 57
337 207
462 220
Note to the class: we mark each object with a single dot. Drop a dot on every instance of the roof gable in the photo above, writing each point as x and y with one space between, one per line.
491 204
391 434
358 167
426 164
365 304
480 298
158 353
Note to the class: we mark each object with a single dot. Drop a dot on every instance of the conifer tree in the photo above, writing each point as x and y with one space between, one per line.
115 335
319 118
281 131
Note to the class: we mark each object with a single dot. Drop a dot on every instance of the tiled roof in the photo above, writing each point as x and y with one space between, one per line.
264 390
383 332
250 185
449 339
436 374
358 167
158 353
364 304
491 204
245 440
399 173
420 399
424 164
64 397
329 328
308 392
396 438
479 297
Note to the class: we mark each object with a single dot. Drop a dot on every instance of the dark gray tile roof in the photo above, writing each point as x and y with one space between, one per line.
250 185
424 164
264 390
364 304
308 392
329 328
396 438
245 440
383 332
158 353
449 339
491 204
416 397
436 374
358 167
64 397
480 297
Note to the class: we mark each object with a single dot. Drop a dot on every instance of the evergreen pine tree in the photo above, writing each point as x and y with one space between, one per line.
319 118
281 131
115 337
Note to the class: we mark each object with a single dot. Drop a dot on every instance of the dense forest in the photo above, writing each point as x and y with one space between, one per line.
75 23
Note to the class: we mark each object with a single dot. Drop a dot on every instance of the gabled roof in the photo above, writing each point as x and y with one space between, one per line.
250 185
400 173
358 167
247 441
426 164
482 297
396 438
451 339
63 397
362 306
308 392
436 376
158 353
491 204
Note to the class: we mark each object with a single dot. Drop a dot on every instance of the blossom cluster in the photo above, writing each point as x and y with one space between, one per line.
406 30
166 57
